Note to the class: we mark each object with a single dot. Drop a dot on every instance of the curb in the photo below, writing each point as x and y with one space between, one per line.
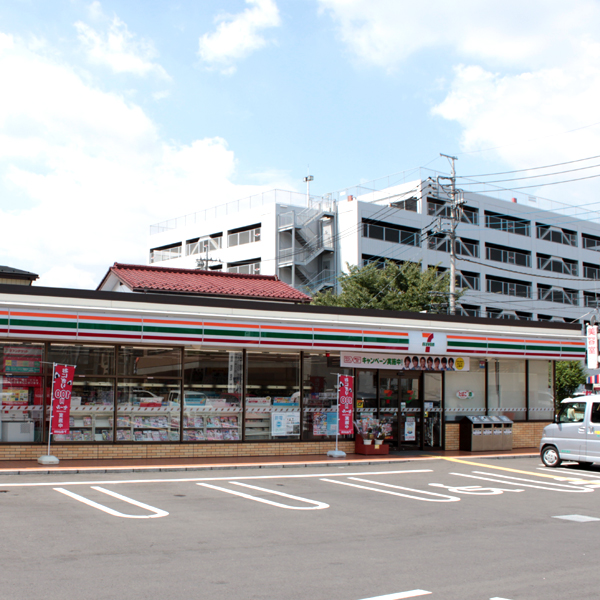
229 467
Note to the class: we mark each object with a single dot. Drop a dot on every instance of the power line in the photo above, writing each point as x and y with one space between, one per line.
539 184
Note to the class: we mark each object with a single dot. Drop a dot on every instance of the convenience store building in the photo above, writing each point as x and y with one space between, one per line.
161 376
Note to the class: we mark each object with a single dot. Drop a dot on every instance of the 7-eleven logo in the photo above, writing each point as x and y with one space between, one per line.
428 341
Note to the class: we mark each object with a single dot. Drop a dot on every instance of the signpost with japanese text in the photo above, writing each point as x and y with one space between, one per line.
345 404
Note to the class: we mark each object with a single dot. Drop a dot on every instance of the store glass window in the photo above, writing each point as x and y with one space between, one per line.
366 392
465 392
149 362
506 388
88 359
92 410
272 396
21 392
148 410
320 374
541 390
212 409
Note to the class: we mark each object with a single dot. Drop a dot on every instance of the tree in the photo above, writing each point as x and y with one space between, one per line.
570 374
390 287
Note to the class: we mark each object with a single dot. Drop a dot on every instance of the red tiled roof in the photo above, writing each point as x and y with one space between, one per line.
148 278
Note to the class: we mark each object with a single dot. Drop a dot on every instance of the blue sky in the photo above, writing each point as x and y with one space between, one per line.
116 115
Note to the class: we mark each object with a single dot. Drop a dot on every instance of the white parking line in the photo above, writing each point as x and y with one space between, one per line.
195 479
115 513
443 497
317 505
400 595
577 518
503 479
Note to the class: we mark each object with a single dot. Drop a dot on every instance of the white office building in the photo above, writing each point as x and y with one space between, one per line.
518 256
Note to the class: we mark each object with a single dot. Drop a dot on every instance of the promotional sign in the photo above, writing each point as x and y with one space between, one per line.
405 363
592 346
410 434
62 385
284 424
464 394
345 404
22 359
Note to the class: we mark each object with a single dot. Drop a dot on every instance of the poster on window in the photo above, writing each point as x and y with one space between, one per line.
62 386
410 430
285 424
346 404
22 359
234 374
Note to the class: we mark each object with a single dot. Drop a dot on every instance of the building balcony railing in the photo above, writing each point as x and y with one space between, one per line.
162 255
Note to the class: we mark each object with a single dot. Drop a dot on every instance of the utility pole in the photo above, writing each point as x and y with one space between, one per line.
455 205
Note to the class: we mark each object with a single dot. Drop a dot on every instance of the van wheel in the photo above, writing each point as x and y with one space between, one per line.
585 464
550 457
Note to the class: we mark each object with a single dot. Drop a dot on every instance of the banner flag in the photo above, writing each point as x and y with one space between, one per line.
62 386
345 404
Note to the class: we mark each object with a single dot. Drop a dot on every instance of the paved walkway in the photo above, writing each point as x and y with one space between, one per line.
22 467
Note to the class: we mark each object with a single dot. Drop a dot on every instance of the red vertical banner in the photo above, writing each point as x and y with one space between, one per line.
62 385
346 404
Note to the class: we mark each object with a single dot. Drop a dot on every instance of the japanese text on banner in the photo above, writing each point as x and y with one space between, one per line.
62 385
345 404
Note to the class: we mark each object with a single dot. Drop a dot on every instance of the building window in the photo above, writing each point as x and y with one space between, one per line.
248 267
591 271
590 242
411 204
468 310
506 388
507 255
508 287
439 208
463 247
391 233
506 223
557 235
556 264
165 253
541 390
247 235
560 295
467 281
203 245
591 300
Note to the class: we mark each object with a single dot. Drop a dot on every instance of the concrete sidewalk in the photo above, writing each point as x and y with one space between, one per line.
25 467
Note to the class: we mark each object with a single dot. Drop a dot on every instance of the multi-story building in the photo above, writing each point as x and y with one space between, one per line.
522 257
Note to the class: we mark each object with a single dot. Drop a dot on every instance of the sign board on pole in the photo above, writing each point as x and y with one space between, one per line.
62 385
346 404
592 346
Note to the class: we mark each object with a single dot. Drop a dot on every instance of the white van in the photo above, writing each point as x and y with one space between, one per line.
575 433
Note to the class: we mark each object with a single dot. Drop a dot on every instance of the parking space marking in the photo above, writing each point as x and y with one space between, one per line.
577 518
474 490
519 481
400 595
195 479
442 497
497 468
157 512
317 505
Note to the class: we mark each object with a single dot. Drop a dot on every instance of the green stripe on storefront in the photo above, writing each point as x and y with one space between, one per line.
503 346
339 338
467 344
378 340
231 333
285 335
544 348
109 327
36 323
181 330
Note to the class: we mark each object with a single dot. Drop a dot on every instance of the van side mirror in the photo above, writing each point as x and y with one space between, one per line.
555 420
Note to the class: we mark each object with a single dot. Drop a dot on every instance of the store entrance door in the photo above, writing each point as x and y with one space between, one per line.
432 411
409 410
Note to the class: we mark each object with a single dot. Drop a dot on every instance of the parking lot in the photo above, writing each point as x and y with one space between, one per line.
465 529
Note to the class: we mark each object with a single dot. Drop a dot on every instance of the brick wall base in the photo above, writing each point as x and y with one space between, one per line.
526 434
143 451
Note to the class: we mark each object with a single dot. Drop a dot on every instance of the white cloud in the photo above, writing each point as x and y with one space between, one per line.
523 73
239 35
84 173
118 48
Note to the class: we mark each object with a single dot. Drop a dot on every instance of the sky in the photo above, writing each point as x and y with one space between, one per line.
115 115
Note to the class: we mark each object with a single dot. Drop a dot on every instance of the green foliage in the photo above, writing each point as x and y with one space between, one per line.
391 287
570 374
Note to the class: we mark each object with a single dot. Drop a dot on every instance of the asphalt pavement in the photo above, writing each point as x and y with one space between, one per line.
448 528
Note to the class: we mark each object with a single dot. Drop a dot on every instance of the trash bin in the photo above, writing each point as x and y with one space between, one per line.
497 440
507 433
472 436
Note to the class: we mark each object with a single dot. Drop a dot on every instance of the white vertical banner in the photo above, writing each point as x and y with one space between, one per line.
592 346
